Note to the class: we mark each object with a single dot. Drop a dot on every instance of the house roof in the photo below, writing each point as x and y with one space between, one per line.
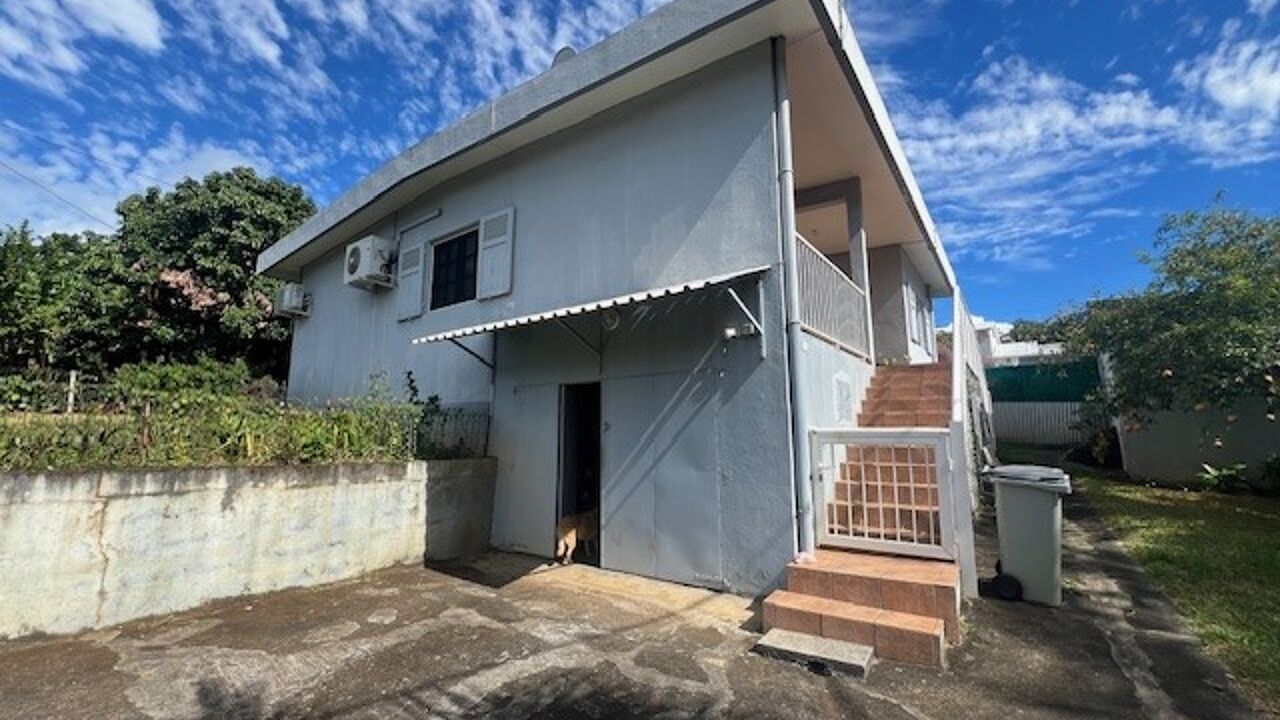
594 306
674 40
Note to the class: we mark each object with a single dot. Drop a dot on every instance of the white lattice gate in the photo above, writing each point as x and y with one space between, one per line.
884 490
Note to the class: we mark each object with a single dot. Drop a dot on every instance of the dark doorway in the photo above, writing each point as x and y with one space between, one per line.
580 461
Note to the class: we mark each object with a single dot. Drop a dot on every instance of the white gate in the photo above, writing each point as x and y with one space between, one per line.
886 490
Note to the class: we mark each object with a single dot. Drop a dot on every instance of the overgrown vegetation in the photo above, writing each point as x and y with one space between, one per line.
175 283
210 413
1217 557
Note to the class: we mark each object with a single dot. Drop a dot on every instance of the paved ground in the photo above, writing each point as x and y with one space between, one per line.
499 639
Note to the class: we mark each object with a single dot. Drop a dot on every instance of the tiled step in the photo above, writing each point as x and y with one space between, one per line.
922 587
909 389
904 419
912 403
898 636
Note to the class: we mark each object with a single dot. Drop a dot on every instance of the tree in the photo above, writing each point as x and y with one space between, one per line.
176 282
191 253
1207 330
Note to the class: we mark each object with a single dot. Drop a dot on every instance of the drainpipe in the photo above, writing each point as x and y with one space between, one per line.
791 274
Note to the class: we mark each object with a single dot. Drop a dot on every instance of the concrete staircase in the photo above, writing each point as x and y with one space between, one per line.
906 609
908 396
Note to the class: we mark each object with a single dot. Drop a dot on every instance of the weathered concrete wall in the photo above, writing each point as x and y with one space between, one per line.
80 550
1173 445
459 507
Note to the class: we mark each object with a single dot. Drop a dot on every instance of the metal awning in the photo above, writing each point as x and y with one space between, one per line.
572 310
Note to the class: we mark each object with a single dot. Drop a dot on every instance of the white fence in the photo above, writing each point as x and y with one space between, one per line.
1038 423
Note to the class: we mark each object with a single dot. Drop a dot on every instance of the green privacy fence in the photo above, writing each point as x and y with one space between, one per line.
1049 382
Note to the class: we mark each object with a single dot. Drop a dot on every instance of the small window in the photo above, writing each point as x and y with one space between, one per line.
453 270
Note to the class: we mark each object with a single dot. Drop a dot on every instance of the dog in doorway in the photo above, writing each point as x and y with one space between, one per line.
574 529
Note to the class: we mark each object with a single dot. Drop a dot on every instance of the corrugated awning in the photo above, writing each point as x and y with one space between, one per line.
614 302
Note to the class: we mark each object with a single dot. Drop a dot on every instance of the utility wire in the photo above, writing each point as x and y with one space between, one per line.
15 126
51 191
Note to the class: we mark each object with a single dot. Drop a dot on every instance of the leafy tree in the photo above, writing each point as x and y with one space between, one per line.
1207 330
175 283
191 253
1058 328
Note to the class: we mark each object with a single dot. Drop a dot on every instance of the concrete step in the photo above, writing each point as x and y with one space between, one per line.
929 588
841 657
897 636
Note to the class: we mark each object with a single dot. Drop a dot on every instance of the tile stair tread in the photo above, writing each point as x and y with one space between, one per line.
886 567
858 613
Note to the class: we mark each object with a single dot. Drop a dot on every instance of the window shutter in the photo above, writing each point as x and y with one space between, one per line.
497 235
409 282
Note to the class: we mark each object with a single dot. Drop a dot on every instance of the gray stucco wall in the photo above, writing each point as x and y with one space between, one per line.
81 550
892 278
1172 446
888 303
695 446
673 186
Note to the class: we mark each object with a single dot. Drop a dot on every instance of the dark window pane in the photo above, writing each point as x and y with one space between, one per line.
453 270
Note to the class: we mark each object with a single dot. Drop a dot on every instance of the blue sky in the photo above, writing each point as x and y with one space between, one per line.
1049 137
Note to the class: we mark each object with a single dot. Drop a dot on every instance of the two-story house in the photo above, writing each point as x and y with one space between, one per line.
690 276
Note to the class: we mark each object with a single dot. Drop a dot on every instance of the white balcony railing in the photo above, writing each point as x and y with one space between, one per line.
832 306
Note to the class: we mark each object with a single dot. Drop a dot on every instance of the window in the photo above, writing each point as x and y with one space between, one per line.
453 270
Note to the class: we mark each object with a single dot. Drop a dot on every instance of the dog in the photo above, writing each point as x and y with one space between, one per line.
575 529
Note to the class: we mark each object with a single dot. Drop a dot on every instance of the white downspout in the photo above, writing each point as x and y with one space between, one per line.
795 339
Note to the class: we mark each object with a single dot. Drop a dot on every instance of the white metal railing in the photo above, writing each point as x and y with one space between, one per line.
832 306
970 433
884 489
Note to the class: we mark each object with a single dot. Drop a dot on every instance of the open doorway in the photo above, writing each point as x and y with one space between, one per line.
580 465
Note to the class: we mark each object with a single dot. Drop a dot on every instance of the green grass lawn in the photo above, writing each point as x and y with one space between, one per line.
1216 556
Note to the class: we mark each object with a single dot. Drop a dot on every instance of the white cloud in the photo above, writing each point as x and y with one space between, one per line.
1239 85
1262 7
882 24
102 169
40 39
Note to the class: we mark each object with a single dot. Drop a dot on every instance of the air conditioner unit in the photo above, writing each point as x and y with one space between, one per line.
369 263
292 301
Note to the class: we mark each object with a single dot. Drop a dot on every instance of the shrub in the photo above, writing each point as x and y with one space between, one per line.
191 429
143 382
1229 479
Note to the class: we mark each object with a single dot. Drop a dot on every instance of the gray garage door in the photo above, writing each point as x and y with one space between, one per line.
660 493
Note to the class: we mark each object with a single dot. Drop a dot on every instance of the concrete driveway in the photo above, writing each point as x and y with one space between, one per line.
505 638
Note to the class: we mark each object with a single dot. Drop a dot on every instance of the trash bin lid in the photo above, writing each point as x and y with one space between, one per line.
1049 479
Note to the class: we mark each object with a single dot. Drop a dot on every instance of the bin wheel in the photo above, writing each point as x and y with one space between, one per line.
1007 587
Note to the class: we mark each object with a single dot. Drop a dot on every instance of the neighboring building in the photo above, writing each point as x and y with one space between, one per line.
998 350
667 267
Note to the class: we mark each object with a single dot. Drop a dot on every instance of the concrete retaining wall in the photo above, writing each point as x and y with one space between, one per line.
82 550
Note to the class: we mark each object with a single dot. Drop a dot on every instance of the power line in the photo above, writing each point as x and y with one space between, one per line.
51 191
15 126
